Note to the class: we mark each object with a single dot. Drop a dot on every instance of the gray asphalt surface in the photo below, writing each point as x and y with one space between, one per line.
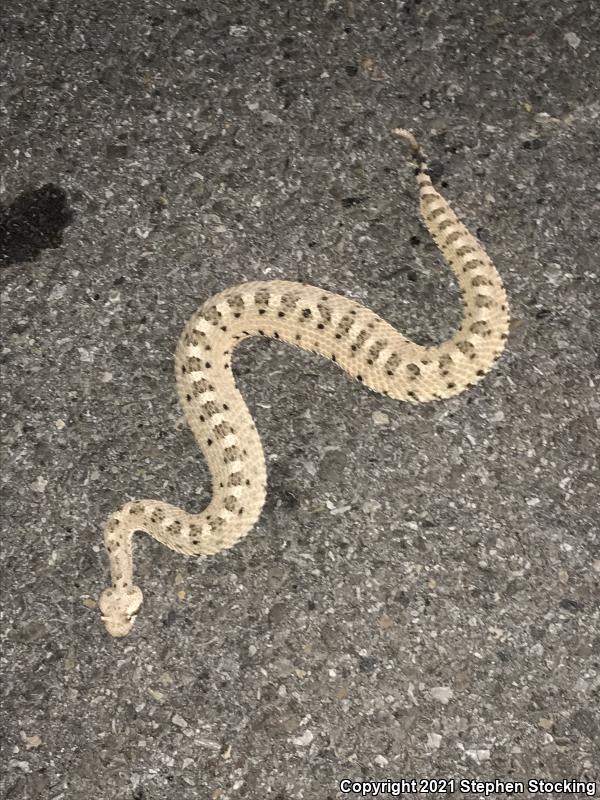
421 596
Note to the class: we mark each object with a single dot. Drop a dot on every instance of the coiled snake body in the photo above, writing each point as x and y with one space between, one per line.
363 345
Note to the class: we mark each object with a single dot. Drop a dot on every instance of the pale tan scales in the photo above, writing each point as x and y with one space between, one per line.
363 345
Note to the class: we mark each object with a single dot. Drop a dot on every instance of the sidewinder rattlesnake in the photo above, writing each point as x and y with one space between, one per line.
355 338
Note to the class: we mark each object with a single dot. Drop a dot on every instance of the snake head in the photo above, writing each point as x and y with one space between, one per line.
119 608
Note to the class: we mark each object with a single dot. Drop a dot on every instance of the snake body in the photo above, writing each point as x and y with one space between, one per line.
354 337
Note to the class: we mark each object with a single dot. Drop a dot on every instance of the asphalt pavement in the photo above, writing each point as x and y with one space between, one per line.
420 598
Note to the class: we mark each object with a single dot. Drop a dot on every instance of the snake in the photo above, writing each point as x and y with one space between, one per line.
354 337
